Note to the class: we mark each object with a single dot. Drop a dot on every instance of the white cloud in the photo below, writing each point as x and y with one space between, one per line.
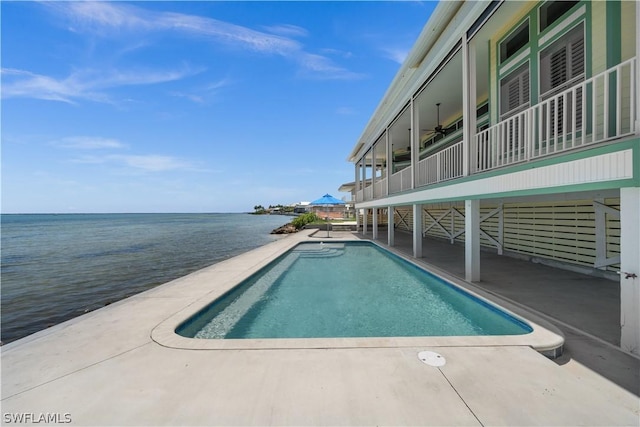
287 30
112 19
202 94
153 162
337 52
107 18
89 143
81 85
395 54
142 163
323 68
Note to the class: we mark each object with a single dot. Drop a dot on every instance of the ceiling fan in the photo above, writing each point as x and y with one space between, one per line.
438 129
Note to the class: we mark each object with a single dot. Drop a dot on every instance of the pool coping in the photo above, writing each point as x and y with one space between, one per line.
545 337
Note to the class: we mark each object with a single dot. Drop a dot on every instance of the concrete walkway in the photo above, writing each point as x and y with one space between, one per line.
104 368
585 308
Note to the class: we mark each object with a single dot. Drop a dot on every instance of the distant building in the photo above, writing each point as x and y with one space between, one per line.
302 208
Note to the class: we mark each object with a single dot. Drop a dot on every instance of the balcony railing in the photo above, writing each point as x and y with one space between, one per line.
596 110
400 181
380 189
368 192
441 166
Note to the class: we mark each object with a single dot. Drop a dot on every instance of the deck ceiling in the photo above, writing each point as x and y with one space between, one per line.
446 87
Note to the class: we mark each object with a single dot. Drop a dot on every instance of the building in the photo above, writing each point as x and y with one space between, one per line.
301 208
514 126
328 207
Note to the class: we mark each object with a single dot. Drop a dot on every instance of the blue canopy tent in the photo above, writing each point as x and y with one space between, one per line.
327 199
328 206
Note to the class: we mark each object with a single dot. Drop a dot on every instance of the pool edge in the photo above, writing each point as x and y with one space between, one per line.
545 337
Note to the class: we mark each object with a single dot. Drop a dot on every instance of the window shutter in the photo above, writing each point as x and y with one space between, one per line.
514 91
577 57
558 68
514 94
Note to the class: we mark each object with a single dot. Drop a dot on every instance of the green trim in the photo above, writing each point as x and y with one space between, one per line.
588 46
576 188
614 53
633 144
598 186
533 58
536 12
508 34
597 150
614 35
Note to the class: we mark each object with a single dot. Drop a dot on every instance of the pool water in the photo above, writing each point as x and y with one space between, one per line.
349 289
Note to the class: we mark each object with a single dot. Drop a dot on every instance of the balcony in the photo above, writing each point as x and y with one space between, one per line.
594 111
590 112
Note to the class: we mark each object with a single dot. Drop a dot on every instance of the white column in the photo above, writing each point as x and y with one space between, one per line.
415 155
364 221
637 65
390 226
374 226
373 171
630 266
472 240
357 181
389 159
357 212
469 102
417 231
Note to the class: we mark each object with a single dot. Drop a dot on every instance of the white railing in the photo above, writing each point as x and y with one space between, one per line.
596 110
360 196
441 166
368 192
400 181
380 189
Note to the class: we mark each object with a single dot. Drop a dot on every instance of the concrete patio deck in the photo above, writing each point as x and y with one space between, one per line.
104 368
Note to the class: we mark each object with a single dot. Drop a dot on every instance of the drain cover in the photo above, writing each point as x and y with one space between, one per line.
431 358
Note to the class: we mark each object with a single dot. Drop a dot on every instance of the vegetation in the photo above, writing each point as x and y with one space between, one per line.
259 210
304 219
272 209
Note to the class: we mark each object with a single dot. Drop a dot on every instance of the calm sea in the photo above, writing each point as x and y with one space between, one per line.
56 267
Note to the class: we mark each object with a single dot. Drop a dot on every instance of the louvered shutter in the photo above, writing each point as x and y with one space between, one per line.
514 91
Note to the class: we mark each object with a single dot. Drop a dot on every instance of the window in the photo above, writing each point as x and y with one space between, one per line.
551 11
514 91
516 40
562 63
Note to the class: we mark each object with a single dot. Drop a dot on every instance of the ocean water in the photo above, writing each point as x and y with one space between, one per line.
57 267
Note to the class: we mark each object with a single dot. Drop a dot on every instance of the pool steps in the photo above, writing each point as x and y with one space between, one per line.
230 315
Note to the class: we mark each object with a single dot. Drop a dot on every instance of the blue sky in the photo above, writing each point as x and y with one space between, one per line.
190 106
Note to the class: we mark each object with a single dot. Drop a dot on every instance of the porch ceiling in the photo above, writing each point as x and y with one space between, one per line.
446 87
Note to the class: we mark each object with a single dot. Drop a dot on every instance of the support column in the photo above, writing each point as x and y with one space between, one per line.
389 155
357 213
472 240
364 221
630 267
417 231
469 104
374 226
413 143
391 229
637 67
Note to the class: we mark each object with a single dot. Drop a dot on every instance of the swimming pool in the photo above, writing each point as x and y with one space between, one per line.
347 290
